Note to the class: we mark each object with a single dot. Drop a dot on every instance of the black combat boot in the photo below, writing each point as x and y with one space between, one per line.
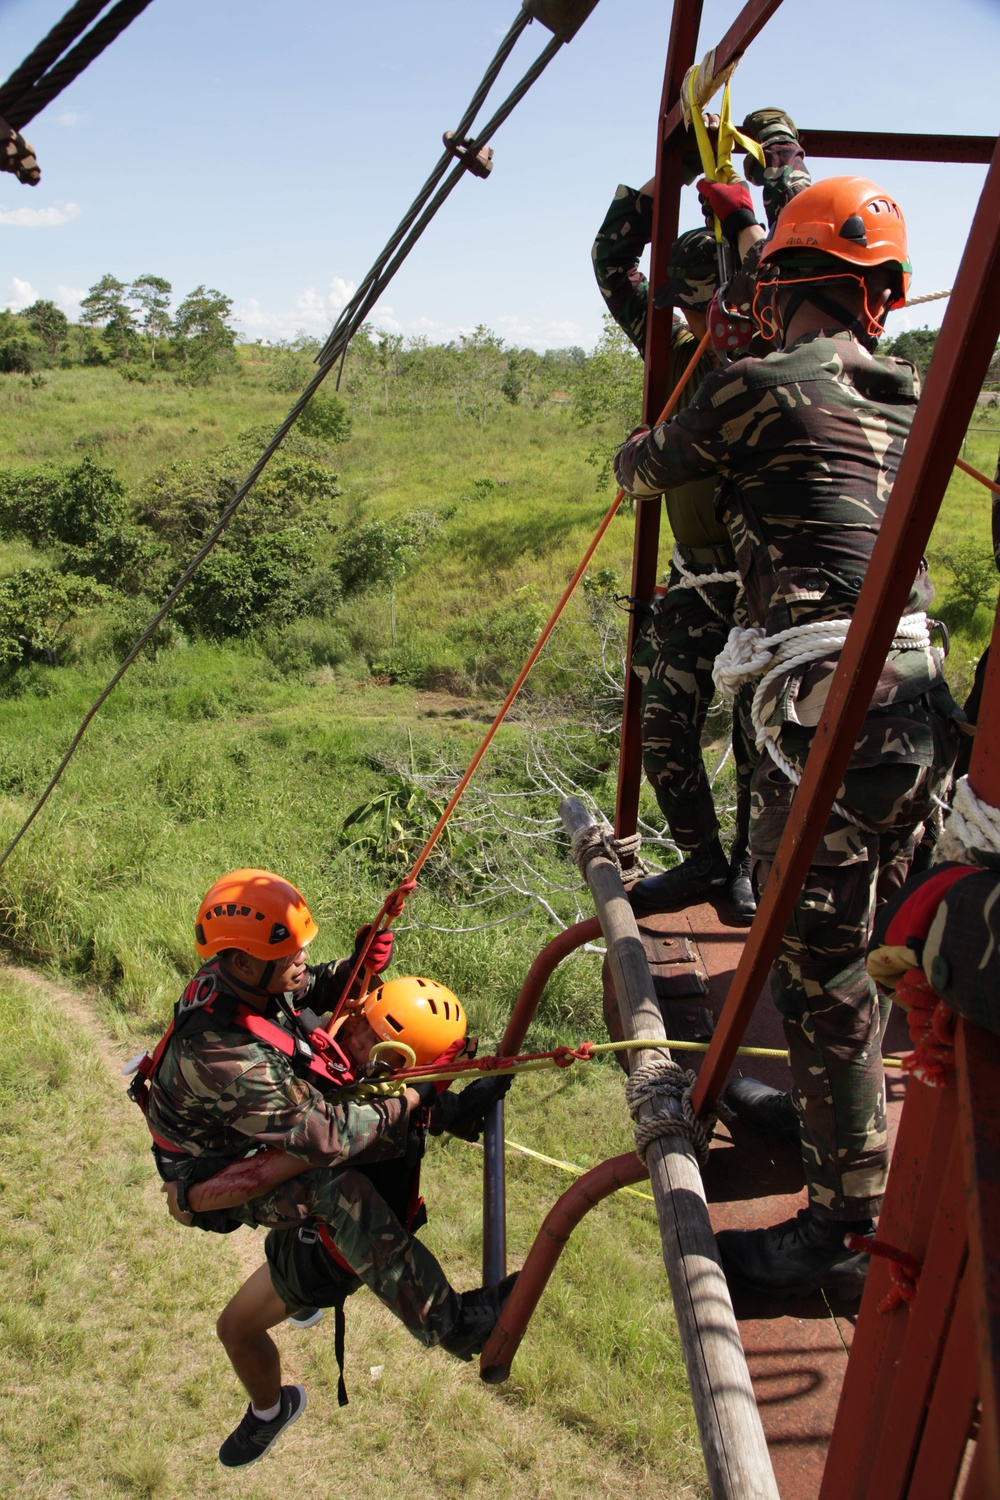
477 1318
797 1258
739 893
763 1107
704 874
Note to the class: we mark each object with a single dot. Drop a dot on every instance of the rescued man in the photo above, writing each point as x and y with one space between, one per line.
807 441
684 627
243 1068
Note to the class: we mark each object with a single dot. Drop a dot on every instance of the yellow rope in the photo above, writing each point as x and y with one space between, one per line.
380 1088
563 1166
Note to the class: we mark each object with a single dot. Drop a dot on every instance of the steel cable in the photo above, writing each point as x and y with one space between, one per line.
63 34
541 62
24 109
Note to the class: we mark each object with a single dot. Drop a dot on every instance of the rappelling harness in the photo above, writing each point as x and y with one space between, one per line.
207 1005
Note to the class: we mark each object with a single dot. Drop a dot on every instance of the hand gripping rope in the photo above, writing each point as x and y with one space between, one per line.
393 904
21 88
717 166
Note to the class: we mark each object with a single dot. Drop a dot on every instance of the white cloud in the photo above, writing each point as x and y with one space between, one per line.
69 299
41 218
70 117
21 294
312 312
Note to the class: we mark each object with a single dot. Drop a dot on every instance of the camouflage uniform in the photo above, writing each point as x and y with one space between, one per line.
682 630
808 442
219 1095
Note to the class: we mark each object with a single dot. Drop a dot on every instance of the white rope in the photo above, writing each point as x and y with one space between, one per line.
971 830
928 297
598 840
700 581
749 653
659 1083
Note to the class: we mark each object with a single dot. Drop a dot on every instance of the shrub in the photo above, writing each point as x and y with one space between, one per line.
36 605
502 637
326 418
975 576
233 592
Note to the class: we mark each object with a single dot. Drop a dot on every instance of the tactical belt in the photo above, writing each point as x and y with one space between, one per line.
723 558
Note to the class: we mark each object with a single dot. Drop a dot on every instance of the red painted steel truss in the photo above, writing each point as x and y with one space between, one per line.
920 1381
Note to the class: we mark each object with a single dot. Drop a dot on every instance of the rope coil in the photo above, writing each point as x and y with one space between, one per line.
971 833
700 581
598 841
659 1083
749 654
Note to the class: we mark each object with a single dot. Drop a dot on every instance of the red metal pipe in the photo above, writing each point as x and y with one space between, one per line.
538 976
587 1191
964 348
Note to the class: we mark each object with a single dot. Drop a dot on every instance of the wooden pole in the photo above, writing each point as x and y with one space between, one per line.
732 1439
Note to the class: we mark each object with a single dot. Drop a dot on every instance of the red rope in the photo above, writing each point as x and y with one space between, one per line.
393 904
932 1030
904 1268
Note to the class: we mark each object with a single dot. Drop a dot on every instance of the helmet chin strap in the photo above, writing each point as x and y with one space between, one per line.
811 293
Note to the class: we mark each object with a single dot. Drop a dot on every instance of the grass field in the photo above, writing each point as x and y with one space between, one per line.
213 756
114 1385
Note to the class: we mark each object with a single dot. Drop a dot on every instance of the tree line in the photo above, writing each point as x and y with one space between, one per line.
126 324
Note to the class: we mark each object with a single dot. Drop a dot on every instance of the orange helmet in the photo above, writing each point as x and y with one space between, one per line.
419 1012
844 219
255 911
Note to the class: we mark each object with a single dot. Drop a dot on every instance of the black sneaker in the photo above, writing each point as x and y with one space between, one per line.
477 1318
763 1107
704 874
253 1437
306 1317
795 1259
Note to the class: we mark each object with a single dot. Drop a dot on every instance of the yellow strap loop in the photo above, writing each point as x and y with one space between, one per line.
718 168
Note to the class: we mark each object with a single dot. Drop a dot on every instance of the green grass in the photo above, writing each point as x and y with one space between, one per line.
113 1383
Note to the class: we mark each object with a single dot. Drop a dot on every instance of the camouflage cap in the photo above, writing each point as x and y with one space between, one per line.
693 274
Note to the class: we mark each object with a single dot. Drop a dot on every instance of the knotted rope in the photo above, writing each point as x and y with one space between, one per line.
658 1083
749 653
598 840
972 830
700 581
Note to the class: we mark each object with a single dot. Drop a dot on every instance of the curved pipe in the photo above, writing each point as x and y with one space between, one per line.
538 976
521 1017
587 1191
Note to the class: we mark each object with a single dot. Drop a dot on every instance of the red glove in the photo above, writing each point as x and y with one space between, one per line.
897 943
731 203
379 955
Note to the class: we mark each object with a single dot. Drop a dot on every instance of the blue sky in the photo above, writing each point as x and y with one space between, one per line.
268 149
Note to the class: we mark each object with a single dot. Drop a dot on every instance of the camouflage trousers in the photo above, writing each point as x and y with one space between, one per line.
833 1016
387 1258
675 648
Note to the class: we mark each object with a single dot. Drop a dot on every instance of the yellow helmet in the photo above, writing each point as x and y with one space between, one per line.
423 1014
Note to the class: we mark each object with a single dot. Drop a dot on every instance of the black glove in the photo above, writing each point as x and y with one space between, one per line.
464 1114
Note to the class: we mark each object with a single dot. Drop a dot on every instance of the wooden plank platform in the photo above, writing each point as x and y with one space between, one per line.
796 1349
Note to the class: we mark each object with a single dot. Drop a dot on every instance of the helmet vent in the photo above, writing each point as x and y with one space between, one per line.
430 1002
279 932
447 1012
422 983
853 229
397 1028
199 932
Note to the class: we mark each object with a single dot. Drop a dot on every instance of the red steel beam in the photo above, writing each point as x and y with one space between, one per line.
645 550
748 24
977 1054
964 348
587 1191
871 145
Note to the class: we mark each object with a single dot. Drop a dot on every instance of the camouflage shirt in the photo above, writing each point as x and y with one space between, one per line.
808 442
221 1094
621 239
